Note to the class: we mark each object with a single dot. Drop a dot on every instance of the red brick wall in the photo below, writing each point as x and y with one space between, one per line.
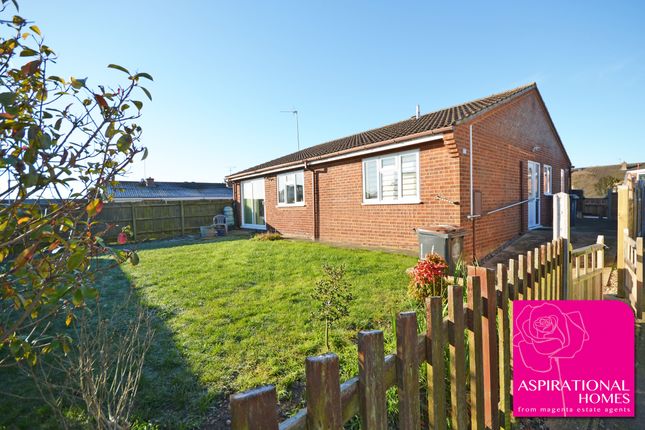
293 221
345 219
503 142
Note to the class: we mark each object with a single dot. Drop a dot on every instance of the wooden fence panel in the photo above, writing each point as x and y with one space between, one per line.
160 219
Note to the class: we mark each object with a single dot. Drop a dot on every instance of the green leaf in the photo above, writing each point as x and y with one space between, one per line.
77 298
28 52
57 79
35 29
138 104
7 98
145 90
117 67
89 292
145 154
124 143
144 75
110 131
76 259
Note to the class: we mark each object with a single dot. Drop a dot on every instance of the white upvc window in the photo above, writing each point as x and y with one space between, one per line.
548 180
392 178
563 181
291 189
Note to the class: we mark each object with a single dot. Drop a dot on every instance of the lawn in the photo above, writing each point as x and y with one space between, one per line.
236 314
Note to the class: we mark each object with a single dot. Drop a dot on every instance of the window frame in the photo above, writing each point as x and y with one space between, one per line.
547 187
293 173
400 199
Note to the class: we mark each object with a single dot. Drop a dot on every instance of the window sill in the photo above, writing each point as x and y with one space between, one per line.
294 205
394 202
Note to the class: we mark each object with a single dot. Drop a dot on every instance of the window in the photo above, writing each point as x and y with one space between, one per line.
563 181
391 178
548 180
291 189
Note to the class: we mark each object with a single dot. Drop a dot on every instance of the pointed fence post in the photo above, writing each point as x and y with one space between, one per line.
323 393
407 371
475 351
436 364
458 401
371 386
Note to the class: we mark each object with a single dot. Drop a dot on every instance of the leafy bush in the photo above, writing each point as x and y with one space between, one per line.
65 139
427 278
333 297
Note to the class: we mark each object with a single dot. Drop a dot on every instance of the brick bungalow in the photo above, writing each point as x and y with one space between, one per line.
488 166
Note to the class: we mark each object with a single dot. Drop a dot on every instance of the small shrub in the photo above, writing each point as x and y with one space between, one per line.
267 237
427 278
333 297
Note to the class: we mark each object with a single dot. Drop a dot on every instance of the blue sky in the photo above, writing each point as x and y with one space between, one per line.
224 70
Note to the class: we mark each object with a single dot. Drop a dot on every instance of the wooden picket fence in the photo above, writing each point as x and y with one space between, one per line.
629 262
586 272
478 392
633 278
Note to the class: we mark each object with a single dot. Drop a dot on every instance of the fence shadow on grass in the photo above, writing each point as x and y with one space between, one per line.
170 394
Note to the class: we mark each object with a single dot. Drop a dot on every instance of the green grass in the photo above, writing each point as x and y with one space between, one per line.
233 315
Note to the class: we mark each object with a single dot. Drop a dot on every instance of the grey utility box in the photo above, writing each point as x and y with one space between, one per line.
445 240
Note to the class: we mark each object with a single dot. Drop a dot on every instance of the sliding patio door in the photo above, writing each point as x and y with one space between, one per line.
253 204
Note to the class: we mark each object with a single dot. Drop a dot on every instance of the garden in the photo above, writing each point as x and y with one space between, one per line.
228 316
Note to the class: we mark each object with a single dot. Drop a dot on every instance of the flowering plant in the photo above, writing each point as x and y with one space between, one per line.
427 277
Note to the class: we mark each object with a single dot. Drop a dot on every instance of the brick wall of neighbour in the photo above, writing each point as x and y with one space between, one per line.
504 139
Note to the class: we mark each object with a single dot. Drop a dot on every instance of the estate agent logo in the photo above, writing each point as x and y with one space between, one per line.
573 359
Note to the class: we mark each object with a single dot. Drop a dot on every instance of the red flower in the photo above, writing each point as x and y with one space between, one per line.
122 238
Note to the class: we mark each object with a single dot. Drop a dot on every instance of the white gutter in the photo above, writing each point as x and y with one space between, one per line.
353 154
397 145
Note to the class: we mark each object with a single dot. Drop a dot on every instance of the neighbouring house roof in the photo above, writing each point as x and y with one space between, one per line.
437 120
154 190
586 178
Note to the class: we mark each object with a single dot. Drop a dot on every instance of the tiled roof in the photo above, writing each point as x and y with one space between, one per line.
133 190
431 121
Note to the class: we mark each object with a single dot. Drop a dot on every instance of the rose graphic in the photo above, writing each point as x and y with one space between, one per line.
547 334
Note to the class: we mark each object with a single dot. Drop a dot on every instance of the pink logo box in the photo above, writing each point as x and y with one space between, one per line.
573 358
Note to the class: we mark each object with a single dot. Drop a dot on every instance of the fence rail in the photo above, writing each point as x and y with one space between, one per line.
477 393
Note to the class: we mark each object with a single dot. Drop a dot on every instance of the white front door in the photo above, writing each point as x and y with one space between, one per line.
253 204
533 187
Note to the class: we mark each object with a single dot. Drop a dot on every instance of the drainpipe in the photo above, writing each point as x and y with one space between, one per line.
472 190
